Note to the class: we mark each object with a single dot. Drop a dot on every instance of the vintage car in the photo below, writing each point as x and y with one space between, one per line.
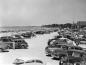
6 38
11 42
20 44
3 47
40 32
57 40
50 49
74 57
27 35
17 36
61 50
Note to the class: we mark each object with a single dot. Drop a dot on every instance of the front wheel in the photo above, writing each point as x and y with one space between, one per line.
60 63
77 63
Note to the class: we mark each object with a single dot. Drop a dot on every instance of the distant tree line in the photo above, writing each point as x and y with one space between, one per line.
67 25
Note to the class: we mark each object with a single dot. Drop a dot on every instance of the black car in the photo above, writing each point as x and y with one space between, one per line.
28 35
40 32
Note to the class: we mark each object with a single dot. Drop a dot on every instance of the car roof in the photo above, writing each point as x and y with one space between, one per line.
65 44
69 45
15 39
32 64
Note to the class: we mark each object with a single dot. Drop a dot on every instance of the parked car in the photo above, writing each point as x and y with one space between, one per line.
57 41
50 49
6 38
74 57
3 47
17 36
11 42
28 35
40 32
61 50
20 44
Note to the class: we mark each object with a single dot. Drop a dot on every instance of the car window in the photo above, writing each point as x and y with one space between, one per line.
64 47
55 46
71 48
58 46
65 40
77 48
75 54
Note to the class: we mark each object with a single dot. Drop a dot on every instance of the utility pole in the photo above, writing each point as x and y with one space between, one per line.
72 25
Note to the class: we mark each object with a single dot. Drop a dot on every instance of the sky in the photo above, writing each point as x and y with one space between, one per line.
40 12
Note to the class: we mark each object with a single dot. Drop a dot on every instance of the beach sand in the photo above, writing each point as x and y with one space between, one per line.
36 49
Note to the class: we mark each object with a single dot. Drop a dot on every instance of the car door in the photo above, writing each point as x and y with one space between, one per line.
61 51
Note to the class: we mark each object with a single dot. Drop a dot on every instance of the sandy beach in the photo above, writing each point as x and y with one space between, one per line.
36 49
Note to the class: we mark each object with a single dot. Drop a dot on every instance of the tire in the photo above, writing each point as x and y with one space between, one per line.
22 47
77 63
60 63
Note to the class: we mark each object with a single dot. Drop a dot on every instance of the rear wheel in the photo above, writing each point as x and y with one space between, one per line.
63 61
60 63
23 47
77 63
